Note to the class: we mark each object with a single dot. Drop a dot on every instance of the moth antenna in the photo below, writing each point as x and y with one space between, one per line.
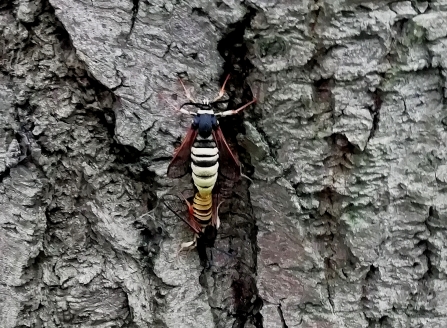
187 93
222 90
177 109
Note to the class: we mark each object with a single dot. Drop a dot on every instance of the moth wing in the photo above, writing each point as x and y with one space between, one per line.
229 166
180 163
179 207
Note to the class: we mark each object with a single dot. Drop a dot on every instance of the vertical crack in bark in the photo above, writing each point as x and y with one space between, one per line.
326 228
375 112
430 254
4 175
443 78
281 315
135 8
369 284
233 49
432 215
327 265
341 158
326 224
315 10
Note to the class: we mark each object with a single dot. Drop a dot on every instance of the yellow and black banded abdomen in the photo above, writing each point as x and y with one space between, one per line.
202 209
204 164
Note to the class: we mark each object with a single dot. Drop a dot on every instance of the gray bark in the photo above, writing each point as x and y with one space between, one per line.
343 223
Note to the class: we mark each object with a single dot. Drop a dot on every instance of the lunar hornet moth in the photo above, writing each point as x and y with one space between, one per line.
205 150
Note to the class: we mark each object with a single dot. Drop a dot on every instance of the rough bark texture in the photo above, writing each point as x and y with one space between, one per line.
343 223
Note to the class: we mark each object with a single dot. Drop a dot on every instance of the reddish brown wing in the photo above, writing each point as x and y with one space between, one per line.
178 207
229 166
180 163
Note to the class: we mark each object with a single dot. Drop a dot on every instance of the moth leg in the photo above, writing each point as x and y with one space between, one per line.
187 246
217 216
187 93
246 177
235 111
210 258
222 90
215 212
190 212
184 247
192 244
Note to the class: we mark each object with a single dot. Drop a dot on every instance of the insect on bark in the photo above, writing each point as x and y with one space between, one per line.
206 151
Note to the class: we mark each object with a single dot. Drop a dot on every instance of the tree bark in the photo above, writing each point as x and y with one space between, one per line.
342 222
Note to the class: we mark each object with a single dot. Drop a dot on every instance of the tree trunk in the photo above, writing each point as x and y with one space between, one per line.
342 222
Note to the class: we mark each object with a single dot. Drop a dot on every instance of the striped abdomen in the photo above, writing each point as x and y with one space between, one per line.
202 209
204 164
